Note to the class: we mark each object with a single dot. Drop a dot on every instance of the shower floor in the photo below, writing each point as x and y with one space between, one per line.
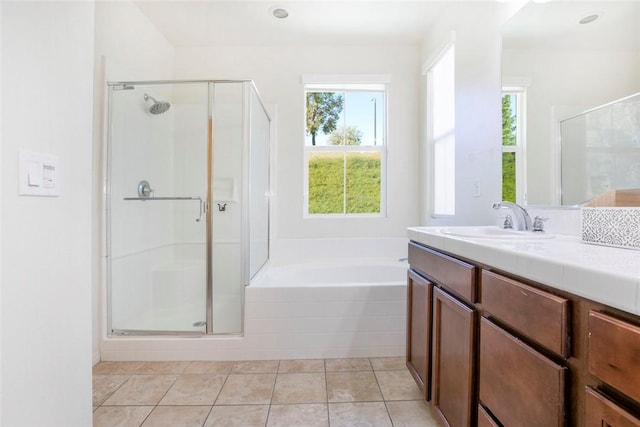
227 318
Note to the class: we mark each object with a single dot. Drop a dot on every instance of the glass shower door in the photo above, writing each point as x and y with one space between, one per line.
158 151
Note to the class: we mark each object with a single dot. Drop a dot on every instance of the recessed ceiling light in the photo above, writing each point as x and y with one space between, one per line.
280 12
589 18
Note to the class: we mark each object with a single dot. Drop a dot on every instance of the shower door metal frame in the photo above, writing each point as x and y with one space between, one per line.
123 85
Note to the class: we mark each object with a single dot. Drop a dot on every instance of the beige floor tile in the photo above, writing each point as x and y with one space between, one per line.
142 390
359 414
310 415
348 365
177 416
194 390
162 368
120 416
208 367
398 385
256 367
415 413
238 416
352 387
297 366
388 363
114 368
105 385
247 389
300 388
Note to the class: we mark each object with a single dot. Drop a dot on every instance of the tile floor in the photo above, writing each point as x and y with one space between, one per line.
375 392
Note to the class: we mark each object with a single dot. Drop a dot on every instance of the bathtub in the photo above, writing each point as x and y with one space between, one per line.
328 308
332 272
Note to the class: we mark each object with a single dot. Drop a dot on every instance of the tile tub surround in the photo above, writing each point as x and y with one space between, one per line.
607 275
283 323
317 392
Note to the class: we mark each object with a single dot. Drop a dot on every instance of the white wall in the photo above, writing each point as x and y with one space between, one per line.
127 47
477 95
563 83
1 210
277 71
47 70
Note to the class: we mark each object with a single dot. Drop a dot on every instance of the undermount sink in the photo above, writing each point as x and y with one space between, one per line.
494 232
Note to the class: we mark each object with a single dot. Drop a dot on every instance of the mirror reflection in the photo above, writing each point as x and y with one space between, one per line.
560 59
600 150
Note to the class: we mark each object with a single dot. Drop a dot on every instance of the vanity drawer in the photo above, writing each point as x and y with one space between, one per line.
518 384
600 411
458 276
539 315
614 353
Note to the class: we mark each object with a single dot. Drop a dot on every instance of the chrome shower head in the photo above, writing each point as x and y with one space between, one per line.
158 107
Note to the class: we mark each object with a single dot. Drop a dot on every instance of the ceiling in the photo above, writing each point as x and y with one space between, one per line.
555 25
250 22
240 22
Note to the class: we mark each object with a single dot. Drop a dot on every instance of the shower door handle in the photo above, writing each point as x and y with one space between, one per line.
201 210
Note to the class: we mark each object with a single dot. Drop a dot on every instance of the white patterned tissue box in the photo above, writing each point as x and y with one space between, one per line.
619 227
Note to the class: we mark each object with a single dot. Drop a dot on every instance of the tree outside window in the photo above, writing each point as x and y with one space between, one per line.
513 145
344 149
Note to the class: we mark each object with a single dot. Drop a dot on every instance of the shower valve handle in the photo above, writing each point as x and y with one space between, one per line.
144 189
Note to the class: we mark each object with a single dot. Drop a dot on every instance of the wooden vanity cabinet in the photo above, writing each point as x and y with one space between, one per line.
453 340
454 348
419 302
505 351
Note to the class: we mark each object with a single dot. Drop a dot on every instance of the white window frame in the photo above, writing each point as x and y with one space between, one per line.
441 147
337 83
521 140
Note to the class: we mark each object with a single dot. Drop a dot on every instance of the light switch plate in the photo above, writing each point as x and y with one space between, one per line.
38 174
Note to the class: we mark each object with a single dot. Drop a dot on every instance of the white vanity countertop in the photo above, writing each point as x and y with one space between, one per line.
607 275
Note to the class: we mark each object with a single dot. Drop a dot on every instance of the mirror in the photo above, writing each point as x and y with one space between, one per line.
565 67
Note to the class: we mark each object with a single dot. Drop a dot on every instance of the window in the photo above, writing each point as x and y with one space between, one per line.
345 140
441 131
513 145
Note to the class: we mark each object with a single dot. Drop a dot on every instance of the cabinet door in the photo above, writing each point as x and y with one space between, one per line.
521 387
453 359
419 330
601 412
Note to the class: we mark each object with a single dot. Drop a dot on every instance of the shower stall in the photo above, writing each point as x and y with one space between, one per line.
187 205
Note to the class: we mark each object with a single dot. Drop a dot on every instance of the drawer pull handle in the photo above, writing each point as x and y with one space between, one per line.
613 366
524 293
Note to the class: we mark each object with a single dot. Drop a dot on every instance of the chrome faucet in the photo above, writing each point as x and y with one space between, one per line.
522 218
